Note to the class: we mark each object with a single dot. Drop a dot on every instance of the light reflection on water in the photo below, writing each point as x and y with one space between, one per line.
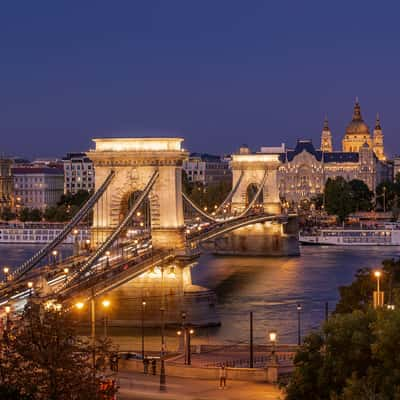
270 287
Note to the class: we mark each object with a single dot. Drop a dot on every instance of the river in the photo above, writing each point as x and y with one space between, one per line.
270 287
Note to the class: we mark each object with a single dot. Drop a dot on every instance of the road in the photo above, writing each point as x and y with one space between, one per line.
135 386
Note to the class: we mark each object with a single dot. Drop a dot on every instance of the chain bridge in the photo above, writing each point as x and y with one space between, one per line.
140 179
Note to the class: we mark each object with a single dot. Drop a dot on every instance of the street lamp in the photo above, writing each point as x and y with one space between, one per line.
75 233
54 254
7 310
108 258
79 305
377 302
273 336
106 304
163 386
30 287
299 308
143 311
6 270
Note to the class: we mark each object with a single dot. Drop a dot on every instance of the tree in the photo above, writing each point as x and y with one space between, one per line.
7 214
388 195
43 359
355 355
35 215
24 215
338 199
358 295
361 195
207 195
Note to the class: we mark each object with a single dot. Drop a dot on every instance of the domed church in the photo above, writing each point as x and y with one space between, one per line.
357 134
305 169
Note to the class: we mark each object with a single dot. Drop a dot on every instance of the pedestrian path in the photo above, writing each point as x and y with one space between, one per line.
146 387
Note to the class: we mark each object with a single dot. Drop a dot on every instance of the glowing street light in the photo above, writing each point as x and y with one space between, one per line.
377 302
143 314
273 337
66 271
106 304
7 309
108 258
79 305
299 308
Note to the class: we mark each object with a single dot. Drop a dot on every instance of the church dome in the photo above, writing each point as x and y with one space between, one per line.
357 126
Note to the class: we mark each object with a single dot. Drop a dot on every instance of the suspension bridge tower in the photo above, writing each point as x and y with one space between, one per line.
134 162
260 170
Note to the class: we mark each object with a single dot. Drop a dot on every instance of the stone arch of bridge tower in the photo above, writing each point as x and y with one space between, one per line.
134 162
252 168
251 191
131 181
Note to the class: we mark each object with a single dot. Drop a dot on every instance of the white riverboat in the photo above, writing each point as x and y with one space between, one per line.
39 232
387 235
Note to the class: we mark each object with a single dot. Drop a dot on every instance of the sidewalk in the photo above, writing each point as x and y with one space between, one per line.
147 387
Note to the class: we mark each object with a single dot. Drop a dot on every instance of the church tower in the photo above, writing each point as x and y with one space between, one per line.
326 138
357 132
378 140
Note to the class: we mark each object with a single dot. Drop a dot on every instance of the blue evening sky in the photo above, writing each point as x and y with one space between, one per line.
219 73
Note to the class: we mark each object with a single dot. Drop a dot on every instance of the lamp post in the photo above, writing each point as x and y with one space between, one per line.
7 310
80 306
143 311
75 233
190 331
54 254
87 245
6 270
299 308
108 258
163 386
183 316
251 341
106 304
30 287
273 336
377 302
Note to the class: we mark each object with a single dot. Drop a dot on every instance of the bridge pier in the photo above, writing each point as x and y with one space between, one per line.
261 239
169 287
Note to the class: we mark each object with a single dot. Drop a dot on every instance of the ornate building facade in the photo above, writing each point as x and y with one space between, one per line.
305 169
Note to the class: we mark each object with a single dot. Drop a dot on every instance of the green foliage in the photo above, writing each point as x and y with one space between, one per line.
67 207
207 195
354 357
338 198
32 215
7 214
388 195
42 358
361 195
358 295
343 198
77 199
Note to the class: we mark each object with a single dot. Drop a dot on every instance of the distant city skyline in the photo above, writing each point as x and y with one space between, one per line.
218 74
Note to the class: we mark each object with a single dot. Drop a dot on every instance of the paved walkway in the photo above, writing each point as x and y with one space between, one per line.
138 386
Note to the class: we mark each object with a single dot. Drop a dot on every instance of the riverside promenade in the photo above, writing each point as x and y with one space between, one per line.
135 386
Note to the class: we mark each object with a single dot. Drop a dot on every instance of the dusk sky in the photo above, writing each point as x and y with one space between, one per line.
218 73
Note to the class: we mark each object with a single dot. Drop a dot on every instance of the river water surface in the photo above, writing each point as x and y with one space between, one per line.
270 287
